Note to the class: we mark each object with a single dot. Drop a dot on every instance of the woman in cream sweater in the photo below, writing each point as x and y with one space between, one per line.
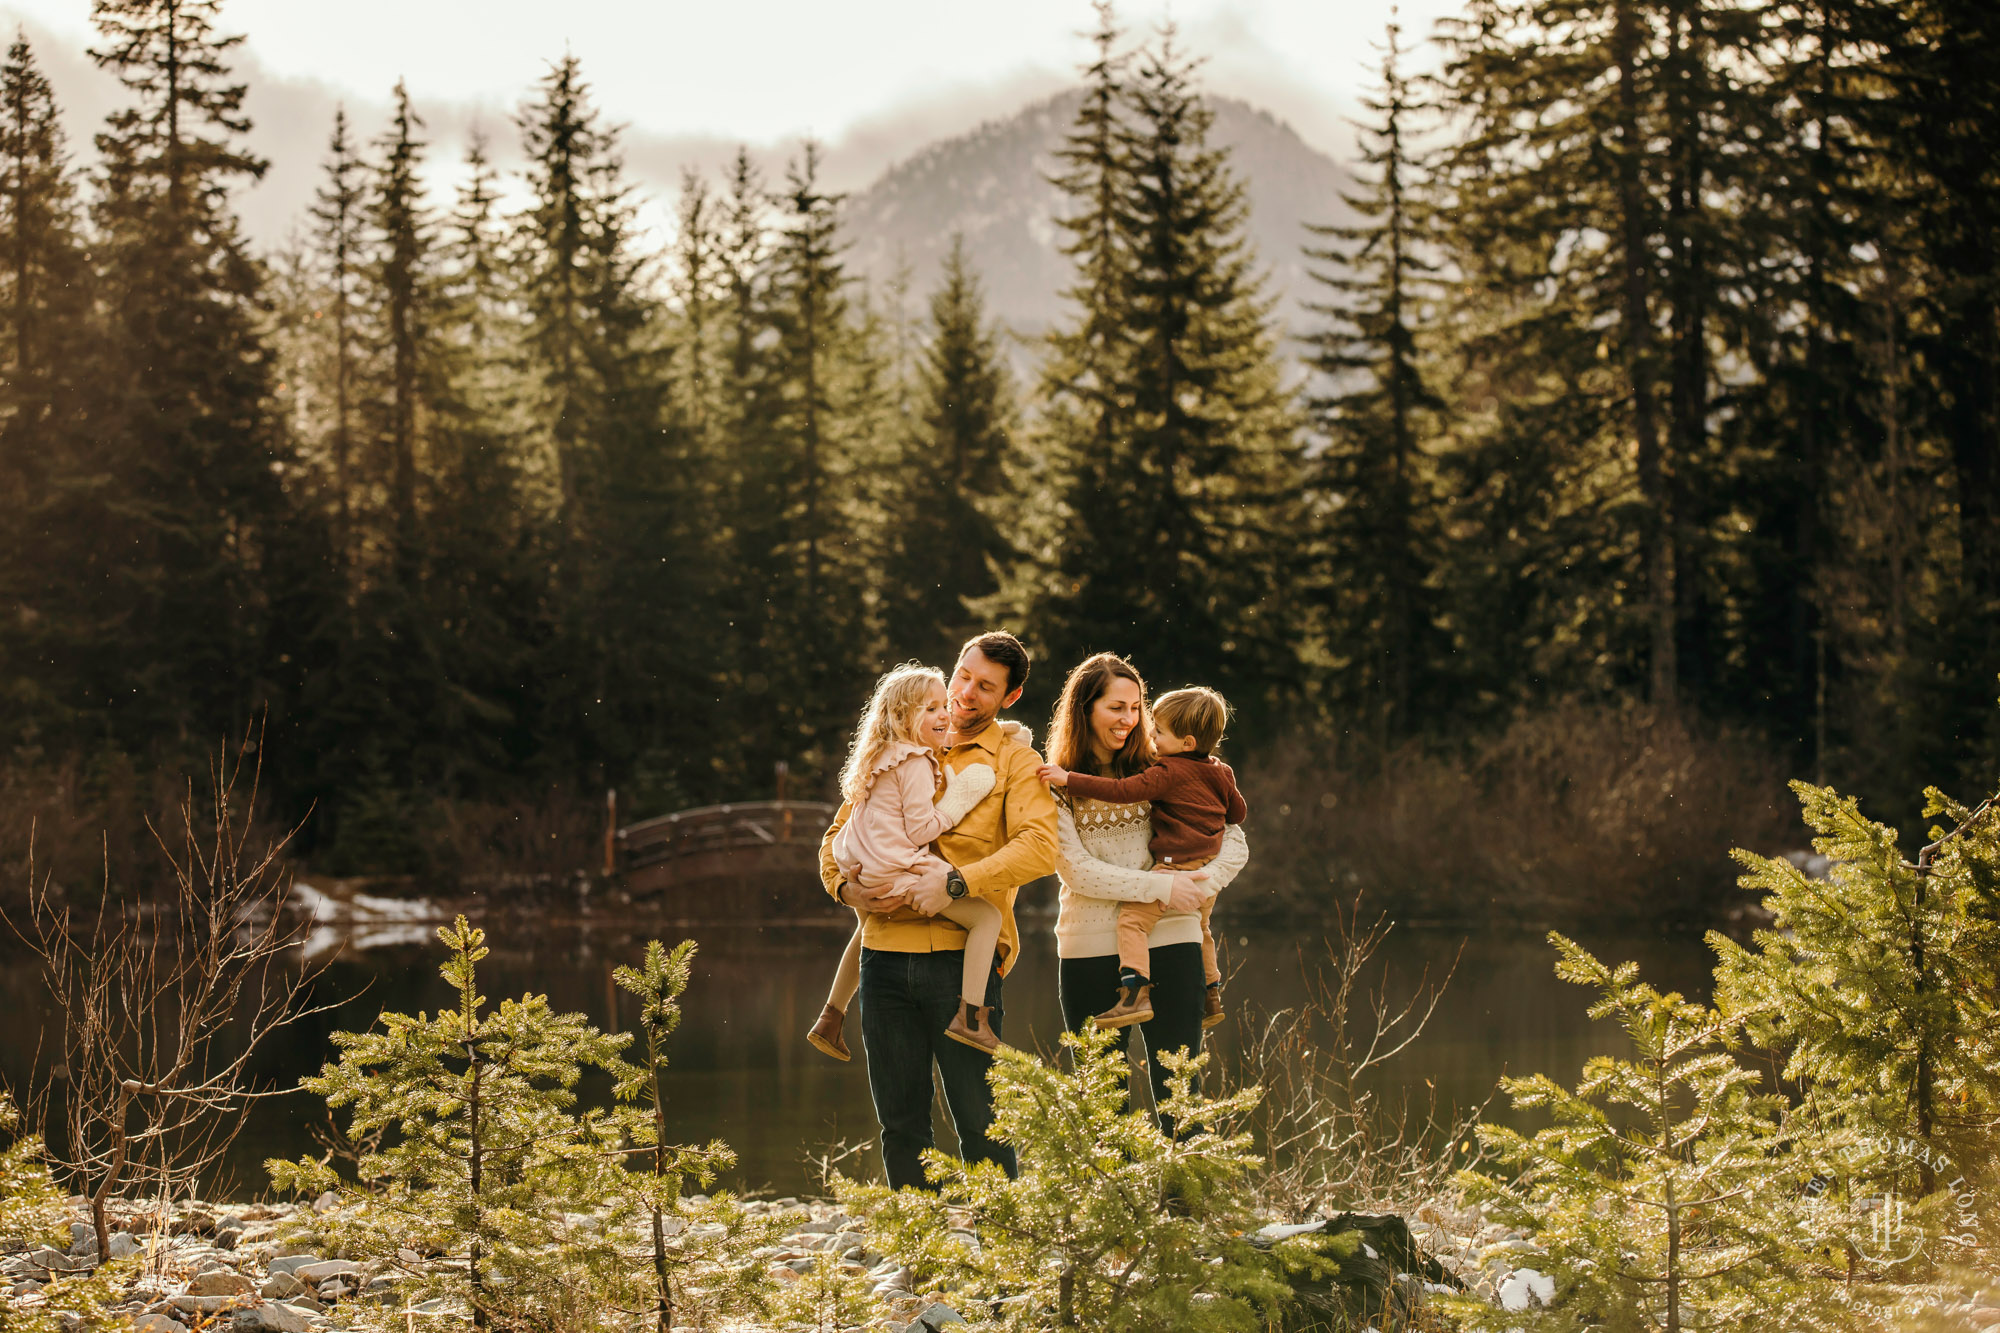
1101 727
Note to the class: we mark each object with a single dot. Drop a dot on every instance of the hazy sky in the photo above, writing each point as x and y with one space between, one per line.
873 79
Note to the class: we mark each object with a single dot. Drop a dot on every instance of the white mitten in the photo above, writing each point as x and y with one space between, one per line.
1018 733
963 790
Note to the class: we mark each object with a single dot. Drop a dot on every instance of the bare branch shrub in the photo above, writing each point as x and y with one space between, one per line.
1330 1141
518 843
1577 814
158 1011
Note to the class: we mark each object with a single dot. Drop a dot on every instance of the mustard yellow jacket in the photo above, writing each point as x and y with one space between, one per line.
1006 840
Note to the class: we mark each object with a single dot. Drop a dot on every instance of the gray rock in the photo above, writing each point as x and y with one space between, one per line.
27 1286
56 1261
326 1202
327 1268
937 1316
334 1290
282 1286
226 1238
220 1282
124 1245
158 1323
270 1317
71 1321
292 1263
193 1305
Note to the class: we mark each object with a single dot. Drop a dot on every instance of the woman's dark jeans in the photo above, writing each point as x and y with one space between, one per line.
1090 986
907 1000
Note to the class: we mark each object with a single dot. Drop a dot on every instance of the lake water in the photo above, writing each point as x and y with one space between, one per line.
743 1072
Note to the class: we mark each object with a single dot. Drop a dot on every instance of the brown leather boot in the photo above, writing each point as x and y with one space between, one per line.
1135 1005
1211 1008
825 1034
973 1025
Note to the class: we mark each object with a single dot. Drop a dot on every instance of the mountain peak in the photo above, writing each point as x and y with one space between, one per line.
991 184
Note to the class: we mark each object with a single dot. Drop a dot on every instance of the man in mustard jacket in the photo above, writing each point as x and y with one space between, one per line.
912 958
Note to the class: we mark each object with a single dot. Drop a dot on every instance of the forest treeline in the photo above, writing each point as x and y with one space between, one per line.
1657 370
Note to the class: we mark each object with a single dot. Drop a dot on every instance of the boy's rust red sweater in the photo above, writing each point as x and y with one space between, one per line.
1194 799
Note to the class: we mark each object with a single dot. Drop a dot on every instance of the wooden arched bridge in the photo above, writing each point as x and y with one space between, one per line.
713 857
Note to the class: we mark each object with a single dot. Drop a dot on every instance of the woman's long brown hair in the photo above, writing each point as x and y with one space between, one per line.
1069 729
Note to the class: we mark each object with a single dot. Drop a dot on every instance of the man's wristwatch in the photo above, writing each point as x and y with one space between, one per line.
954 884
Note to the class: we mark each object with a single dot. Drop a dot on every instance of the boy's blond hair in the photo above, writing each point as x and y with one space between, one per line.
1196 712
889 717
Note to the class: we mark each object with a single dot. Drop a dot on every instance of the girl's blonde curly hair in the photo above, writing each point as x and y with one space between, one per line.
890 716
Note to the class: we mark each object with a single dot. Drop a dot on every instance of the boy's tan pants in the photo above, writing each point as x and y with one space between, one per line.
1136 922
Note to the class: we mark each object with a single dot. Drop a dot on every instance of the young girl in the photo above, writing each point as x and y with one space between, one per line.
890 777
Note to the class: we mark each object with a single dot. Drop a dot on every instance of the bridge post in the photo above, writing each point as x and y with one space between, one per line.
610 831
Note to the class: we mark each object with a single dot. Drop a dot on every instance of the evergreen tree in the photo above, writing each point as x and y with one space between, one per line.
1668 1195
55 494
684 1272
817 394
403 279
188 381
1879 983
955 489
1111 1224
1184 490
338 211
1381 530
485 1153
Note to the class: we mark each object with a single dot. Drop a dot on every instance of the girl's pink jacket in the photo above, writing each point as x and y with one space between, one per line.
884 846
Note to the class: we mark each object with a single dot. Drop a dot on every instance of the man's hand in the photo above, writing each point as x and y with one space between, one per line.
928 895
880 904
1189 892
1053 775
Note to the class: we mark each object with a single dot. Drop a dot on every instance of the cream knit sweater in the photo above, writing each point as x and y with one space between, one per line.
1102 856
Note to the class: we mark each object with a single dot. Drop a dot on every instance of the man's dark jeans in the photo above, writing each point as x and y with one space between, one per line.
907 999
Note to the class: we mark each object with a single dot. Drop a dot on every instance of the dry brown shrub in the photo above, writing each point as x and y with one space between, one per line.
545 839
87 822
1578 814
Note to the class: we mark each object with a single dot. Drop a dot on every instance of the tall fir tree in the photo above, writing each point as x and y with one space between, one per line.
956 486
1378 412
189 384
1181 442
56 491
338 215
817 393
405 292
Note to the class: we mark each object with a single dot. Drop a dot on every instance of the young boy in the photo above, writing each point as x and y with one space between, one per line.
1194 799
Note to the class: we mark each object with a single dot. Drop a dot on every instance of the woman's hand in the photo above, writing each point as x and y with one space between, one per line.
1054 776
1190 891
964 789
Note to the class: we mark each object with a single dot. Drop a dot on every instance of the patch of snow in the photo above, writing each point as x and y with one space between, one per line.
368 907
317 905
1525 1286
1369 1250
1275 1231
389 937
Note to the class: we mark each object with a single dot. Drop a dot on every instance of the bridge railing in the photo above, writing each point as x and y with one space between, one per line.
710 828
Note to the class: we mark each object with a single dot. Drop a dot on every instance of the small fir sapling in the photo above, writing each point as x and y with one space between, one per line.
702 1267
1669 1194
1880 983
491 1188
32 1209
1111 1225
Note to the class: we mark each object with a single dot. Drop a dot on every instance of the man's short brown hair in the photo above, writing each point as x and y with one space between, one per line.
1196 712
999 646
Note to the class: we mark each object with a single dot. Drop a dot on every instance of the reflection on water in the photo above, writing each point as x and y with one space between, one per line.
742 1071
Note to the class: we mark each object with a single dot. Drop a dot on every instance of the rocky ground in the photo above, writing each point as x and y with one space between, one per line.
224 1267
